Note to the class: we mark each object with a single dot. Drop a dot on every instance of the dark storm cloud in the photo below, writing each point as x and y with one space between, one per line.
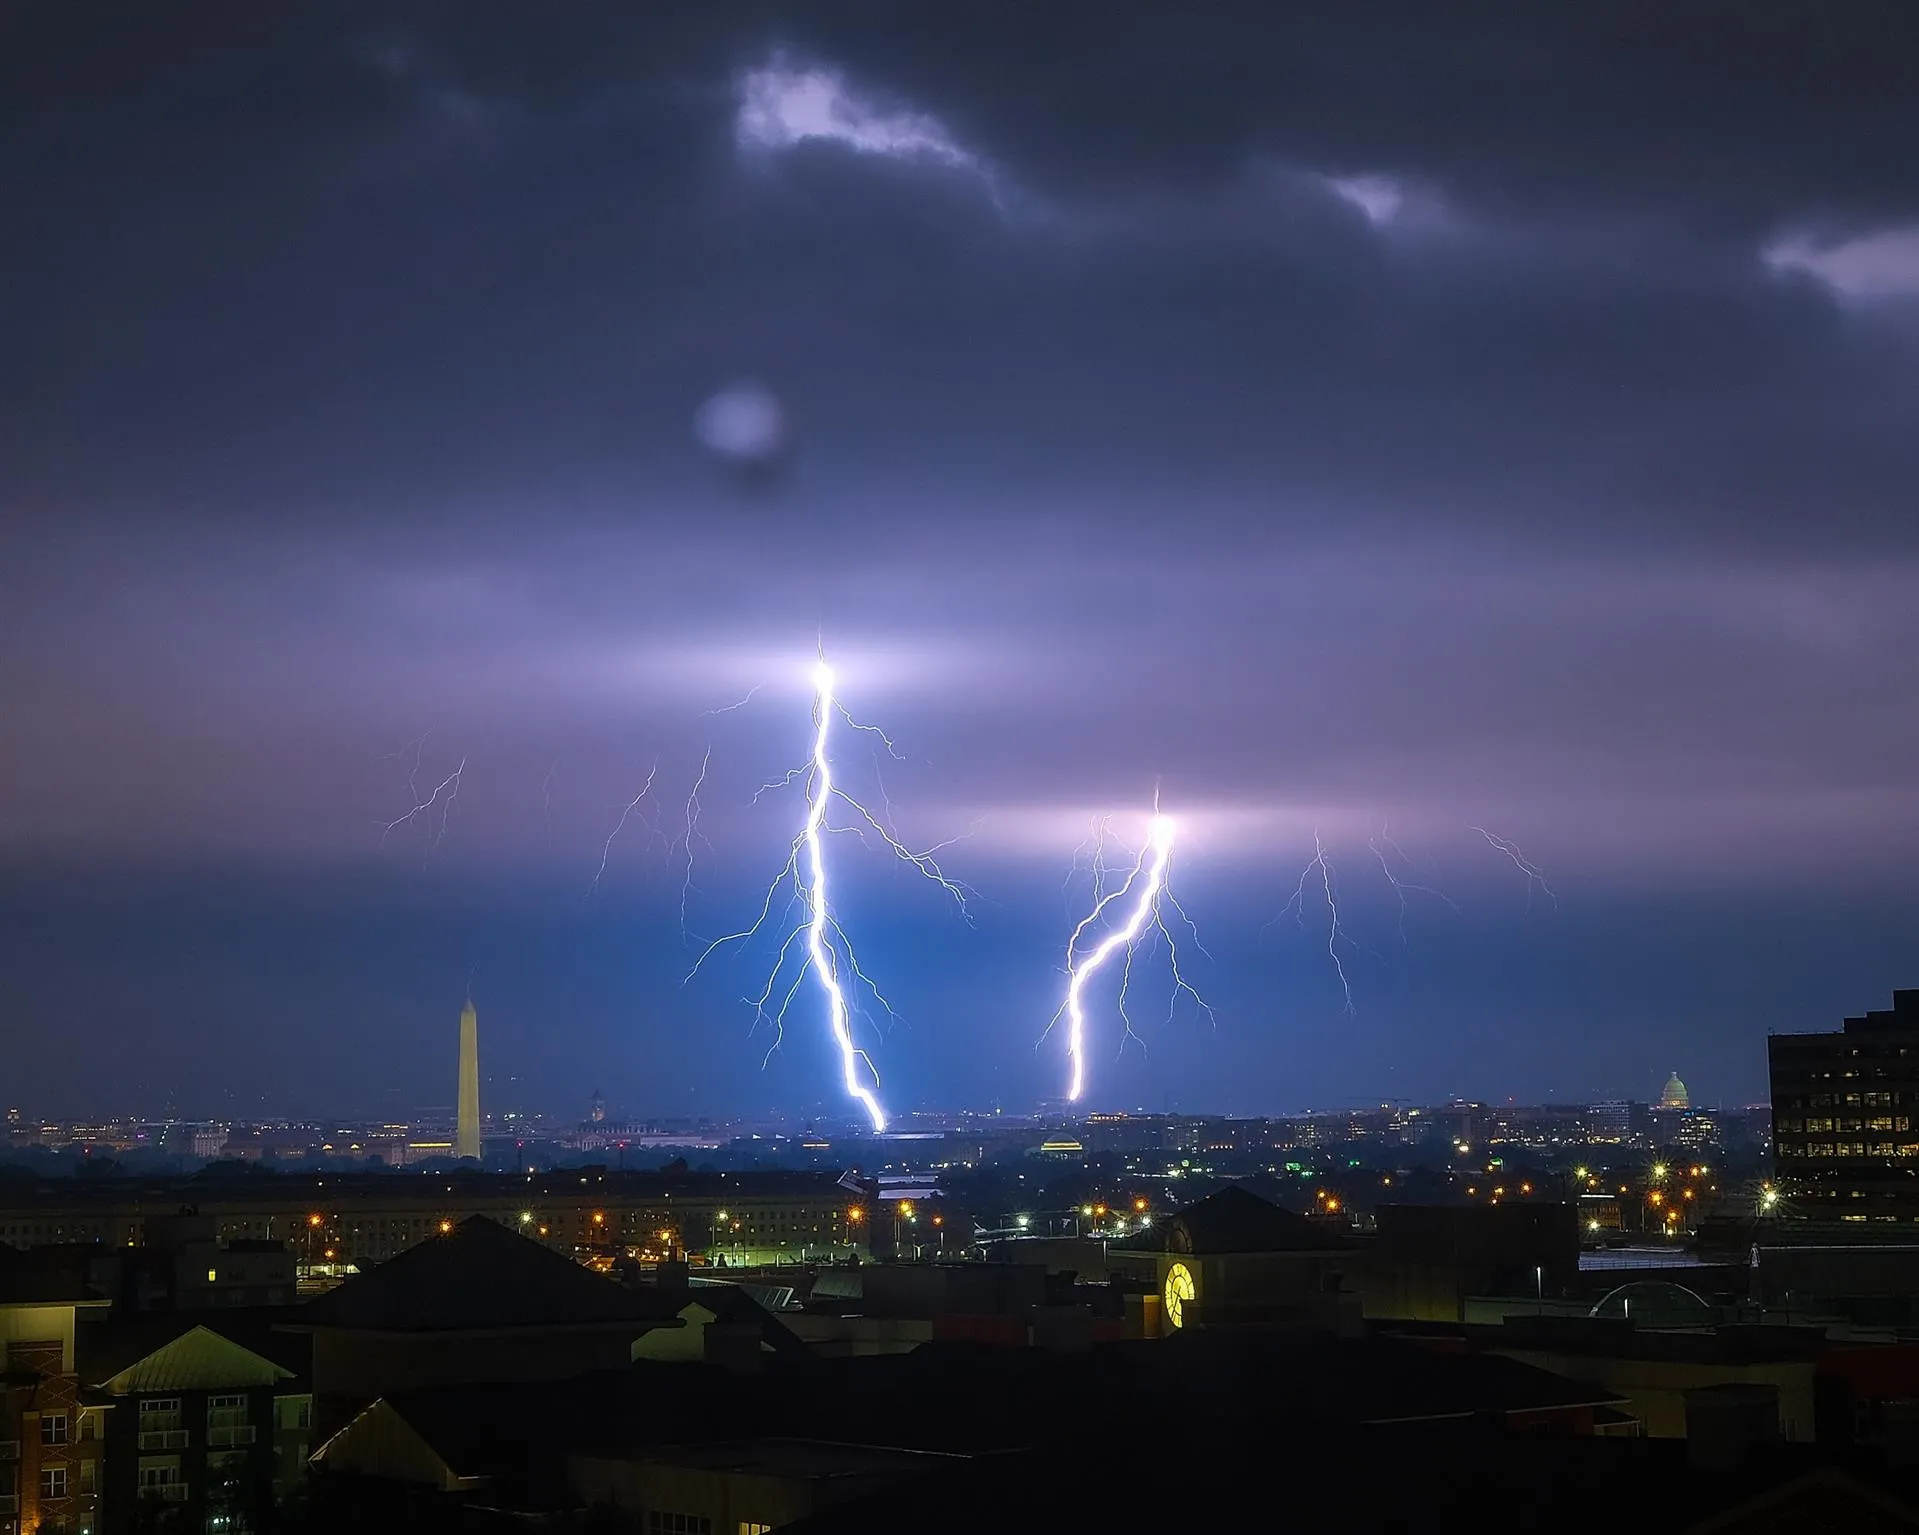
1346 415
435 251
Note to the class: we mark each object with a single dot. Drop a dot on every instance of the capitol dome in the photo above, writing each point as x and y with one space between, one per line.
1675 1096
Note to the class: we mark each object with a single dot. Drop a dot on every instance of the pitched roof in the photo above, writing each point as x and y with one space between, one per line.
1235 1220
479 1277
198 1360
106 1349
1828 1498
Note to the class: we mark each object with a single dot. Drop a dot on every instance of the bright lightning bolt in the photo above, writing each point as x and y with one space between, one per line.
819 947
804 876
1139 896
1521 862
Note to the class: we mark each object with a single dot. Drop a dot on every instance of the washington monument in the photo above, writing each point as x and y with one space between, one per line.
466 1135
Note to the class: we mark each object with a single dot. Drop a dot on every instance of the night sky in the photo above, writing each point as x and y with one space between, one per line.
1364 421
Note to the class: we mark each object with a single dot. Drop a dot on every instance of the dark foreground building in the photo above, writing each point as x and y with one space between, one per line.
1846 1119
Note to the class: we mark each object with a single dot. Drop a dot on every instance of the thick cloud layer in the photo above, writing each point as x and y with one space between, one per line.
1365 423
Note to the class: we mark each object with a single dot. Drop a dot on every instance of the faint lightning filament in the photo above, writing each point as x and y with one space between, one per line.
448 786
1335 928
1535 878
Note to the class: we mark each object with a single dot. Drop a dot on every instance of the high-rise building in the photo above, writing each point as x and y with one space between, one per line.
1844 1107
466 1135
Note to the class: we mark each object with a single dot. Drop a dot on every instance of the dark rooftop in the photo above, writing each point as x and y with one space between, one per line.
812 1459
1234 1221
1379 1480
481 1276
55 1276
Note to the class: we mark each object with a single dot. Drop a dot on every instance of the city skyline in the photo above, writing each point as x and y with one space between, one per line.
421 437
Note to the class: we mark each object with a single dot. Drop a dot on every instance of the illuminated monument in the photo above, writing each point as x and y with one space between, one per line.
466 1135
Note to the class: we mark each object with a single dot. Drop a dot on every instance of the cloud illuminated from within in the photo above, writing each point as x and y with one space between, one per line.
1881 265
782 105
1380 198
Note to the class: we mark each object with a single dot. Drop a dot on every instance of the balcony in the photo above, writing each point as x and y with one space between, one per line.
163 1439
9 1450
230 1434
164 1492
9 1505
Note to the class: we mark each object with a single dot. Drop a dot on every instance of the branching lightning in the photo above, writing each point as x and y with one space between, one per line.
1321 863
632 809
1534 878
828 955
448 786
1140 900
1319 881
1381 845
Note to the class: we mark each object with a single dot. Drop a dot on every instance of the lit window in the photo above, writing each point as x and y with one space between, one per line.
658 1523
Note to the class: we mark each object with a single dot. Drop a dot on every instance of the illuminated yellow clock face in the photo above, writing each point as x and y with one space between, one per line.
1179 1290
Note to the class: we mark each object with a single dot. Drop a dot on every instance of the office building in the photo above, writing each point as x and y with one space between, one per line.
1844 1105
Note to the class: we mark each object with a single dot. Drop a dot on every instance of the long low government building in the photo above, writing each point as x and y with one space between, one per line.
356 1219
